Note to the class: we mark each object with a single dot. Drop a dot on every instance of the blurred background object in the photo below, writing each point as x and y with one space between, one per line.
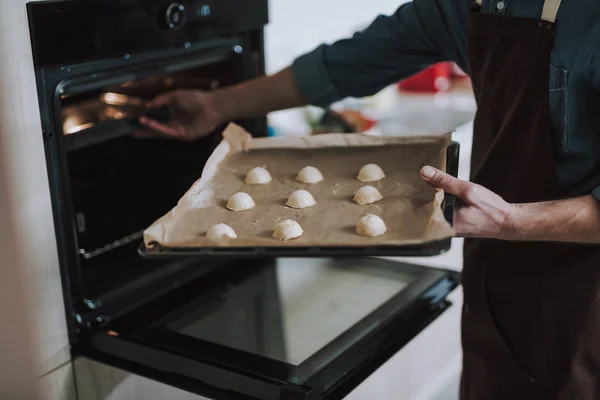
435 100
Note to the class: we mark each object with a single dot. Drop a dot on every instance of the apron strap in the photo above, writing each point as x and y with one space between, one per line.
549 12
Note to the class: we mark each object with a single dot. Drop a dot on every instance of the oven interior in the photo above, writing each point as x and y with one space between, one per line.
121 185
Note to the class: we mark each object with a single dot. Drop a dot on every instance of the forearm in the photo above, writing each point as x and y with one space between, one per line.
259 96
571 220
420 33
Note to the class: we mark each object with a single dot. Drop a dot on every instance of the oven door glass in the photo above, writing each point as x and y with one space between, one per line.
274 329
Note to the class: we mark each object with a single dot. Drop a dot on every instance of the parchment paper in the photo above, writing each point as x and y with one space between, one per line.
411 209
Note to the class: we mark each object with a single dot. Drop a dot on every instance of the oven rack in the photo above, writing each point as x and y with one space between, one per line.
88 255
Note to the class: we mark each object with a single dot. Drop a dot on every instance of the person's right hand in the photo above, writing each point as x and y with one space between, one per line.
194 114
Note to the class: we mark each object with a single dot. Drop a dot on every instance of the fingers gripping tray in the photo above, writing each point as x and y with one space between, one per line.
418 218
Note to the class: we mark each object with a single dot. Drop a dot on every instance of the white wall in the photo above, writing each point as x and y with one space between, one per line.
33 338
299 26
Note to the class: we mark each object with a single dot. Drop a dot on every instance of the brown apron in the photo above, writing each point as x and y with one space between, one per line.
531 320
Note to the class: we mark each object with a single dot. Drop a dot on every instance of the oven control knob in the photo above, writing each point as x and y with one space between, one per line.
175 15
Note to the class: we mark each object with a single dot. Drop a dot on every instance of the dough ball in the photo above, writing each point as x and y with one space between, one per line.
301 199
220 232
240 202
371 173
309 175
258 176
287 229
367 195
371 225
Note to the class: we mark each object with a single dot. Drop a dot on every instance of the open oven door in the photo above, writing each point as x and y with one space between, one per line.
277 329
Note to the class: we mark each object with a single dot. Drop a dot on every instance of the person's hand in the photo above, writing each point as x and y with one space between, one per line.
479 213
194 114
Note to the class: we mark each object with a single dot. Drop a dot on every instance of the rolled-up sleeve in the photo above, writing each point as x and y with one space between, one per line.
594 70
418 34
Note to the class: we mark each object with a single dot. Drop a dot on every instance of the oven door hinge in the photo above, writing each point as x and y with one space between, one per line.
92 319
90 322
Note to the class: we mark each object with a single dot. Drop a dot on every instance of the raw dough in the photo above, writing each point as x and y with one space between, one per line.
371 225
287 229
240 202
370 173
301 199
309 175
367 195
220 232
258 176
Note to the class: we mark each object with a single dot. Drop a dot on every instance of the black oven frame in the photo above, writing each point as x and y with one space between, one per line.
78 58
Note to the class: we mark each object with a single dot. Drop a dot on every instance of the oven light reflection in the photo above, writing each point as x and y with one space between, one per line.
73 124
115 114
117 99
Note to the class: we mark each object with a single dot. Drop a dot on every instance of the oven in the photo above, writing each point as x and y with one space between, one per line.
224 328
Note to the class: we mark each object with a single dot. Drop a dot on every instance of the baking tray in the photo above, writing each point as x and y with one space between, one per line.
428 249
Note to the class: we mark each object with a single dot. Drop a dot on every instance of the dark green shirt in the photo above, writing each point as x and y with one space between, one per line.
424 32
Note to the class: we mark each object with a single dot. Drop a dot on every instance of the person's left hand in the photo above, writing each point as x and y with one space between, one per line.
479 212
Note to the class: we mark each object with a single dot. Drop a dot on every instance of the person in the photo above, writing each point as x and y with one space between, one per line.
531 212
